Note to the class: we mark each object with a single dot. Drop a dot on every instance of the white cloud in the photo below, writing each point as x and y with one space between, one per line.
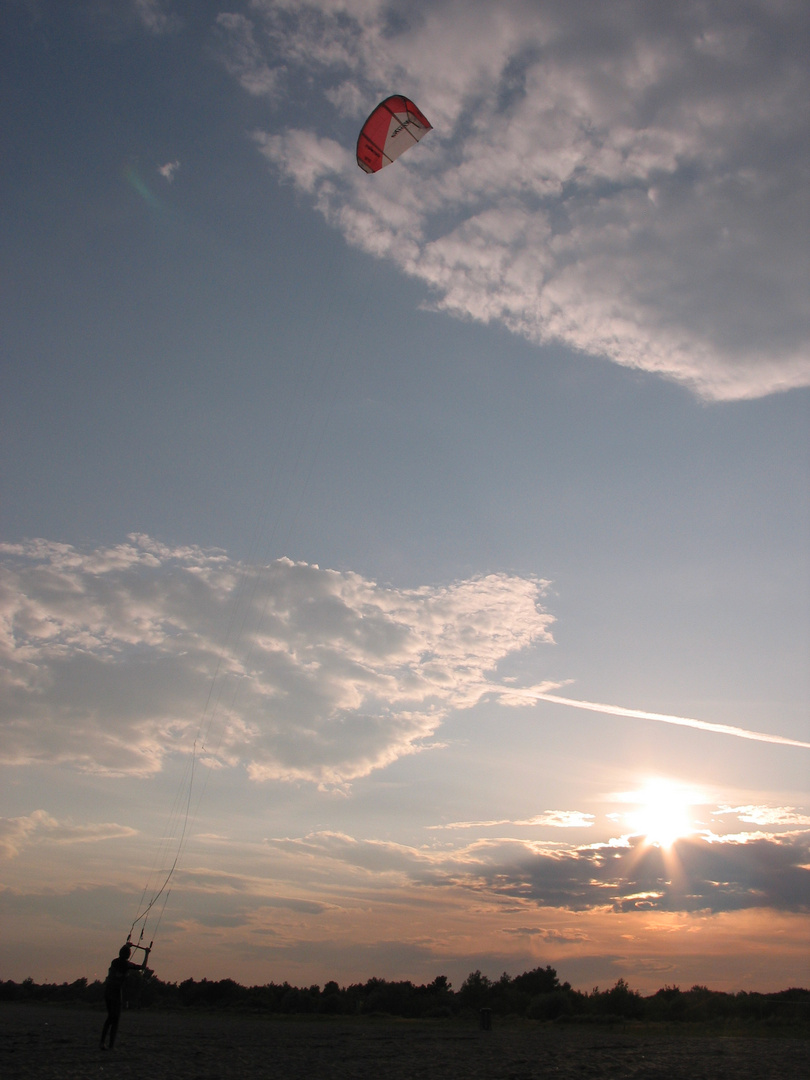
242 55
39 827
768 815
549 819
154 16
524 694
628 180
562 819
106 658
168 170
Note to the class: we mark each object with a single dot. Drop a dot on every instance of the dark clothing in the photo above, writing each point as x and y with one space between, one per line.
114 995
117 975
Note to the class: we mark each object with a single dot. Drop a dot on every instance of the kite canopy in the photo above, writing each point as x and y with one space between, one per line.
393 127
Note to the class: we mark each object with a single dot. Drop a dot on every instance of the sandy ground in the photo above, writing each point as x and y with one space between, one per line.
39 1042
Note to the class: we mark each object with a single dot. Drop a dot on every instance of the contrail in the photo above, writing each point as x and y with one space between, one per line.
641 714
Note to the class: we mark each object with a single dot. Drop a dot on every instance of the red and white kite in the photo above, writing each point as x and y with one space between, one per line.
394 126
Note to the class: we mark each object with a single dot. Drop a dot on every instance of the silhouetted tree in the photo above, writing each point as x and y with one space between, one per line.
475 990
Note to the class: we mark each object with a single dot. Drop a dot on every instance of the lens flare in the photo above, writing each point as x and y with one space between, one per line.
138 185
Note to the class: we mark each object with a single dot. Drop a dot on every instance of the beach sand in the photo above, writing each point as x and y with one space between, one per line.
41 1042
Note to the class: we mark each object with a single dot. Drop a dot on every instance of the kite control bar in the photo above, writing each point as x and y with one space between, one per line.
145 949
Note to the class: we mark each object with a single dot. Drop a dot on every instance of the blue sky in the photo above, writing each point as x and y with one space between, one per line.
323 480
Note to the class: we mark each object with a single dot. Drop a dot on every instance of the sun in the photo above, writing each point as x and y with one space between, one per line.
661 812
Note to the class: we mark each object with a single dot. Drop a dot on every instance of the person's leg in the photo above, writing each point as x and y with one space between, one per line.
113 1002
116 1016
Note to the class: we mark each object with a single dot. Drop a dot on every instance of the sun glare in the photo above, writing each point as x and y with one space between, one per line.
661 813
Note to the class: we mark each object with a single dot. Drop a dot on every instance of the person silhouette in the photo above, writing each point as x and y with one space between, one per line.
114 991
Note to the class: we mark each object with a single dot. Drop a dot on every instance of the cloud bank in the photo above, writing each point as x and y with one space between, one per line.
627 179
113 658
697 875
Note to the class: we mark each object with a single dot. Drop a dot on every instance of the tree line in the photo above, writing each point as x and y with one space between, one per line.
535 995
